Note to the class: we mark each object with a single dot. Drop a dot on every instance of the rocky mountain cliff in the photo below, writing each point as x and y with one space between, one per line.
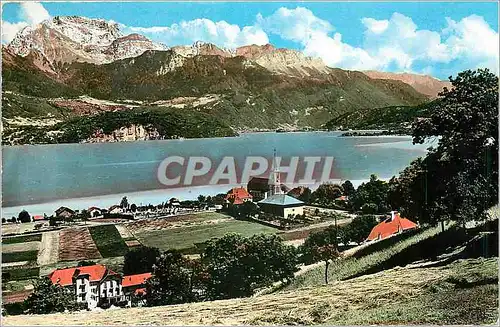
73 38
424 84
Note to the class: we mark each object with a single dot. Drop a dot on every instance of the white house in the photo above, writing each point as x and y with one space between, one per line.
95 285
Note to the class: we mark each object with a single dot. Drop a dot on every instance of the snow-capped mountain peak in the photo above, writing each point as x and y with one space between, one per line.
74 38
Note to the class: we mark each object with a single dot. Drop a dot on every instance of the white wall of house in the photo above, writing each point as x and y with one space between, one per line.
293 211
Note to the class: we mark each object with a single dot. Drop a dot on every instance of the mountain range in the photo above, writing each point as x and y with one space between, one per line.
71 64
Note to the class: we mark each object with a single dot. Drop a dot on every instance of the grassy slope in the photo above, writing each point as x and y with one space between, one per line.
464 292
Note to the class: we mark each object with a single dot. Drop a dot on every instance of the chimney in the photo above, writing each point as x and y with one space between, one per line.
393 215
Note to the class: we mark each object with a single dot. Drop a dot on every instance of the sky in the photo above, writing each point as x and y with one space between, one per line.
435 38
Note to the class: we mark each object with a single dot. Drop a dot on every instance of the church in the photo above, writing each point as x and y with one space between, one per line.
278 203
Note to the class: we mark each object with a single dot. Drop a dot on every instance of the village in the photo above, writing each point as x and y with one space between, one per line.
83 250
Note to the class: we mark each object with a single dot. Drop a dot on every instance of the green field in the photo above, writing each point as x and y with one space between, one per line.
19 256
108 241
22 239
113 263
16 274
187 237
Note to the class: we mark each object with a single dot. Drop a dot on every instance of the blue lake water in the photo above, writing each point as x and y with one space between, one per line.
41 178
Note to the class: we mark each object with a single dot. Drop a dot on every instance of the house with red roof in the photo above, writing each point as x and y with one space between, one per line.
135 285
390 227
238 195
95 285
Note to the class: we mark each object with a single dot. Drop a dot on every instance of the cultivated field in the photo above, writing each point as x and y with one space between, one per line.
77 244
464 292
184 232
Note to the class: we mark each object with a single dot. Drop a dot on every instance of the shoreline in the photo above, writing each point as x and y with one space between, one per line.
154 197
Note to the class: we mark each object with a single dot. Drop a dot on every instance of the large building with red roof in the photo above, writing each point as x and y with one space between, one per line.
94 285
238 195
390 227
97 285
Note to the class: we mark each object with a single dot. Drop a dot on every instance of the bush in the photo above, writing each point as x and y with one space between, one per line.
50 298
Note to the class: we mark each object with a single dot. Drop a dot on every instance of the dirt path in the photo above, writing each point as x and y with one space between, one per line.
123 230
48 250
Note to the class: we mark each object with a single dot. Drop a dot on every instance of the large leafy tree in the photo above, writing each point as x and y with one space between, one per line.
140 260
238 265
359 228
372 192
50 298
458 179
326 193
174 280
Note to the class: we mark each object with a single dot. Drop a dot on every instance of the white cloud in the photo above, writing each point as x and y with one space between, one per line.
375 26
9 30
474 39
299 24
220 33
31 12
395 44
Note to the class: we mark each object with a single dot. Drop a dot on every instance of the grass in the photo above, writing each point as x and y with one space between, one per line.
17 285
463 292
22 239
16 274
187 237
352 266
19 256
108 241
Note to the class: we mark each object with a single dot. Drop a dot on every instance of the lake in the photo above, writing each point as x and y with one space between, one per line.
40 178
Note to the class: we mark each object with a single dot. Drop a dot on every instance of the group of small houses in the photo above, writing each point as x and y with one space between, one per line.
98 286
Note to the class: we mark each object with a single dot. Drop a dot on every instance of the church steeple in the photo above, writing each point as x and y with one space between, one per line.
275 182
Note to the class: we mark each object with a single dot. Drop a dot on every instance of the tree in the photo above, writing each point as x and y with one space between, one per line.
359 228
140 260
308 249
133 207
24 217
4 220
375 191
50 298
326 193
124 203
247 209
459 177
238 266
173 281
201 198
13 220
348 188
326 253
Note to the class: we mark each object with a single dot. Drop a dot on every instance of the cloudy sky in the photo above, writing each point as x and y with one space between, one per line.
439 39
